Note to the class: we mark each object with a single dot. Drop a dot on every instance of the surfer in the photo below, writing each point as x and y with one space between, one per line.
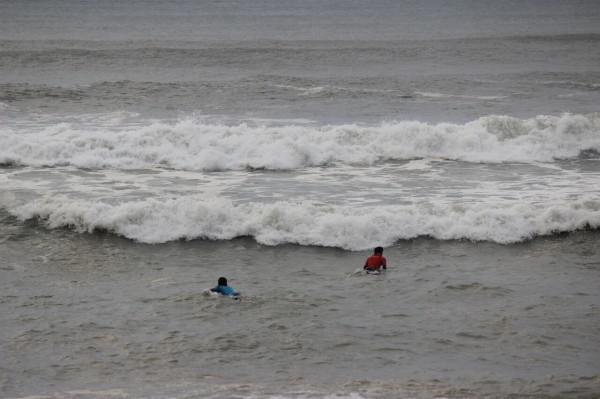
375 261
224 289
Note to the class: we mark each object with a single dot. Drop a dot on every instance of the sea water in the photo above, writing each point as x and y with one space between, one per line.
149 148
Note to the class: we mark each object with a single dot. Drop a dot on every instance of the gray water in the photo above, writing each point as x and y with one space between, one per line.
99 314
148 148
332 61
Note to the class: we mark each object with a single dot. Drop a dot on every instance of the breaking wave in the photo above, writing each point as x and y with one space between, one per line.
190 144
306 223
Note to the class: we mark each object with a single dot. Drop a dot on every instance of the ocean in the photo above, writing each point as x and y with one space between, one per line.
148 148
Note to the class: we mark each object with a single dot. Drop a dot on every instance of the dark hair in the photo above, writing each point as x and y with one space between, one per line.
378 250
222 281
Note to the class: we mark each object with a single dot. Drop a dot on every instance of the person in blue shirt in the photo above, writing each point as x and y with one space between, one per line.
223 289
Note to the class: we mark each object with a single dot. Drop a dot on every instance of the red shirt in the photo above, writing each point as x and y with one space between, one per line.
376 261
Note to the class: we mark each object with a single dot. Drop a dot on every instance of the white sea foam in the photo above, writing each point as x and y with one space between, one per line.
306 223
194 145
446 96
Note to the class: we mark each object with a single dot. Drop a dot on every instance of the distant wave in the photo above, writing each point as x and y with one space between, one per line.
190 144
306 223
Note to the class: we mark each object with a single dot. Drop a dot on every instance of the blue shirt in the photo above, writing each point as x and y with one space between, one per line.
225 290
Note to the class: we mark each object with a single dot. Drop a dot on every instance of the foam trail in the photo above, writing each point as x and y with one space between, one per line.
159 221
193 145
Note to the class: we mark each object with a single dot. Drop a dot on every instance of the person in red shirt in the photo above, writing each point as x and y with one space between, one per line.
375 261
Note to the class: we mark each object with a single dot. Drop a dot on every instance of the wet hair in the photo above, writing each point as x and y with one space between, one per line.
222 281
379 250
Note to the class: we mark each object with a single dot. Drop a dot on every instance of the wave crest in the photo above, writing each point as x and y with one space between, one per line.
305 223
193 145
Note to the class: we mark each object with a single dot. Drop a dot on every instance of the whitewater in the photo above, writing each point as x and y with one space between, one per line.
533 163
190 144
148 148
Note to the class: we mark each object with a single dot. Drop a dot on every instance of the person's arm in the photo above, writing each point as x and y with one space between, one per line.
384 263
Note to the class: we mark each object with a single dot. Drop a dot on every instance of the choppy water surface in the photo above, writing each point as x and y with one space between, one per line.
148 148
456 319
